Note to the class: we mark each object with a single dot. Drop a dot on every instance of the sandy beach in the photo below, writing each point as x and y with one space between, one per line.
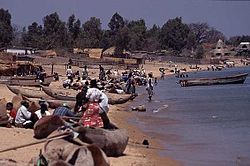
135 154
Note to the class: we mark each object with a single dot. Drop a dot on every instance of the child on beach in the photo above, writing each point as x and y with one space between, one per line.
11 112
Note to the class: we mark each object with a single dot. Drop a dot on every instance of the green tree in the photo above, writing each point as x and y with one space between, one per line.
137 30
17 35
74 29
214 35
116 23
199 52
191 41
152 39
203 33
199 31
6 30
92 32
106 41
34 36
122 40
55 31
174 34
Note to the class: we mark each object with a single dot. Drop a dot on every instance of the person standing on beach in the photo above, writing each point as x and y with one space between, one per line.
101 73
162 71
156 81
129 85
85 73
69 74
150 86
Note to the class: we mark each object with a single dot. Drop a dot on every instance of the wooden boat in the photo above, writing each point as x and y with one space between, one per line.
113 98
56 95
30 92
112 142
26 80
235 79
30 81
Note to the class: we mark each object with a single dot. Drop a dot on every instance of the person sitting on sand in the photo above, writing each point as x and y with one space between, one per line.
67 83
64 110
43 111
81 99
97 108
24 118
11 112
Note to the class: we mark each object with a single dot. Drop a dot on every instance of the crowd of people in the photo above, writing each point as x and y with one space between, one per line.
91 107
90 110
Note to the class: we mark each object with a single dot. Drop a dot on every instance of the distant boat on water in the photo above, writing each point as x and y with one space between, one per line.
234 79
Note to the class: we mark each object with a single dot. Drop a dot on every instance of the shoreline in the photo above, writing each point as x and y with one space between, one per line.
148 156
135 153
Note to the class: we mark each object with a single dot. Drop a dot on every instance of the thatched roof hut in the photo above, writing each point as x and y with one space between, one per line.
94 52
109 51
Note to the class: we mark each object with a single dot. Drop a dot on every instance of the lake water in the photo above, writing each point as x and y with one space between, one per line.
201 125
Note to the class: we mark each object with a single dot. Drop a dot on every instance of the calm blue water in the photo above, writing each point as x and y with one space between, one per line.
202 125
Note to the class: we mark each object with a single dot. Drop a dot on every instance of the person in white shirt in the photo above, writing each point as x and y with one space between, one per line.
24 118
94 95
43 111
69 74
150 85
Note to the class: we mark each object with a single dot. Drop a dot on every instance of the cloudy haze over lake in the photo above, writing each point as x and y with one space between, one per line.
228 16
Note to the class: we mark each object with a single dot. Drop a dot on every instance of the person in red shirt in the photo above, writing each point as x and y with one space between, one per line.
11 112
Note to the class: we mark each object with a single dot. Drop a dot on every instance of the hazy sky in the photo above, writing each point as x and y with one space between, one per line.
228 16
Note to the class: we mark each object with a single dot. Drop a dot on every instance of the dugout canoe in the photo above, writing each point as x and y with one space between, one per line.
56 95
113 98
234 79
26 80
30 92
112 142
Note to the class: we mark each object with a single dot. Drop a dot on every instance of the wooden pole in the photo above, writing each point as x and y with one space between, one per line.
58 136
52 69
